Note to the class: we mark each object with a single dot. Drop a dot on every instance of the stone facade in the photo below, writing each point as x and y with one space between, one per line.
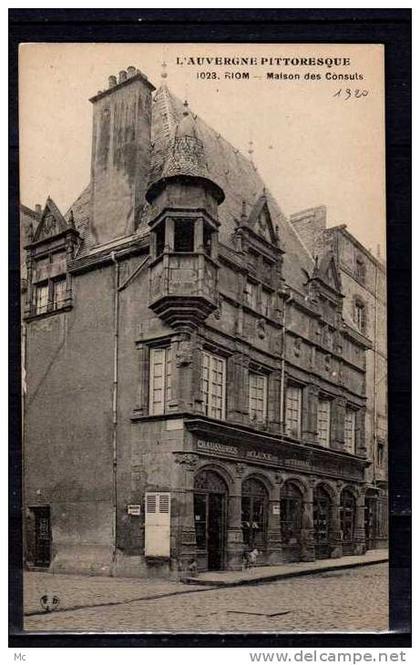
363 279
193 388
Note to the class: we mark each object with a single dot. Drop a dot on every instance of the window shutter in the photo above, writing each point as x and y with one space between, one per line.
157 524
151 502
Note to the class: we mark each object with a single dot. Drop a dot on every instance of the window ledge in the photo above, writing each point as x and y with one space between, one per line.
45 315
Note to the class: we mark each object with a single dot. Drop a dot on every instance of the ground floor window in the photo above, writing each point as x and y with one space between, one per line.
254 513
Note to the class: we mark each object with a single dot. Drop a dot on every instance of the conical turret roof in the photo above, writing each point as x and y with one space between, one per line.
185 159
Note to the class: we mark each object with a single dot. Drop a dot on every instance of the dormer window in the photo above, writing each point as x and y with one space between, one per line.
48 256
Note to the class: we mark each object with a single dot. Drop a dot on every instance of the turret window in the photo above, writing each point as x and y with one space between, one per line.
160 238
207 233
183 235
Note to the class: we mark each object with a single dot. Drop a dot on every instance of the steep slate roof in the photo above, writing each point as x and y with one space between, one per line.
231 170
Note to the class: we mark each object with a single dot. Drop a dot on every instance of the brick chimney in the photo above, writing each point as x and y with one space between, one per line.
121 147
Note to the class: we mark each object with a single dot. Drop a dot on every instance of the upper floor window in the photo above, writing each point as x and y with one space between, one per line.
251 294
213 385
160 383
350 430
257 397
265 302
324 409
59 292
293 411
360 269
360 315
41 298
328 337
51 295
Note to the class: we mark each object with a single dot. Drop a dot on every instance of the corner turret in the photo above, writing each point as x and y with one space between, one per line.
184 232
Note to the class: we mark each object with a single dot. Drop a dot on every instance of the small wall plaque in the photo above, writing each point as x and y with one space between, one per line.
133 509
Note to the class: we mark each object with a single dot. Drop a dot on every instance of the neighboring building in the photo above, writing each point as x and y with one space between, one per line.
363 279
193 388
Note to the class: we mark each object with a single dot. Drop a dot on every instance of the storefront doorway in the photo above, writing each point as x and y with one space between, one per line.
210 500
347 521
322 520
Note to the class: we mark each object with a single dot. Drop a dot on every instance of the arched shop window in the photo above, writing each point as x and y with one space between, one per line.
254 513
347 515
291 502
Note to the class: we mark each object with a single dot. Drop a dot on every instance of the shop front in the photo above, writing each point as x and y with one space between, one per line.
247 498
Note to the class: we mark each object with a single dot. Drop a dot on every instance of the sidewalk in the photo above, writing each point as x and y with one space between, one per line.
82 591
269 573
77 591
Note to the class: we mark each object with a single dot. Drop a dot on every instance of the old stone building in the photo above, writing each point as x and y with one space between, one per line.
363 279
195 384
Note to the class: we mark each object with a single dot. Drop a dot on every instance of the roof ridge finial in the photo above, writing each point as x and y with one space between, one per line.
250 149
186 110
164 73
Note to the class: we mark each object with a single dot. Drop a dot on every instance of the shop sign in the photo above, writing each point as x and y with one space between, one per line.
217 448
262 456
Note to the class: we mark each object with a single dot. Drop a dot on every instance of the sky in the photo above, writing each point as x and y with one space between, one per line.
312 144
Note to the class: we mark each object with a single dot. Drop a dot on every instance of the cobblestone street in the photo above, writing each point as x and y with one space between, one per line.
347 600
